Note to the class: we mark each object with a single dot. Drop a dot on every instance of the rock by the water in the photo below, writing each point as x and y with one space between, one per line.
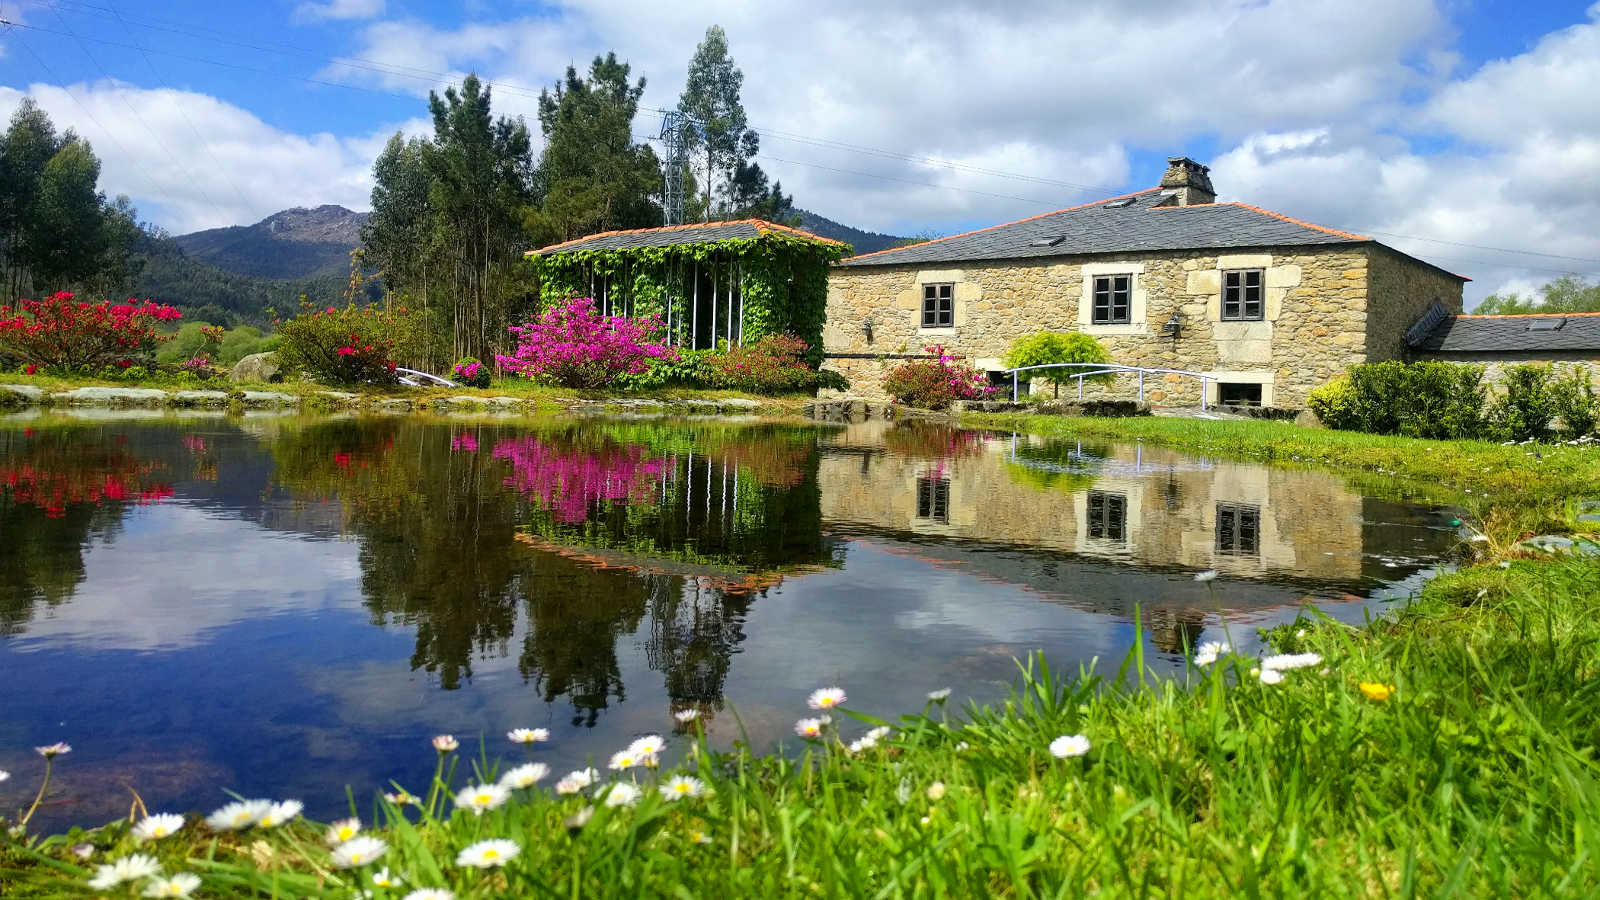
200 398
261 368
268 398
110 396
27 391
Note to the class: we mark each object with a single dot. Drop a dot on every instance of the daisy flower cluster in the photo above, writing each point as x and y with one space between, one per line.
242 814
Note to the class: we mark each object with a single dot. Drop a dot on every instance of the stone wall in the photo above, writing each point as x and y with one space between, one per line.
1496 363
1315 322
1400 290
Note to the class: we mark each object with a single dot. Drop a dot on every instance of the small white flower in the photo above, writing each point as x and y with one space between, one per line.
341 831
680 786
1271 676
158 826
488 854
480 797
698 837
686 715
961 746
936 791
431 894
524 776
1208 652
879 733
583 777
939 696
649 745
826 698
4 774
444 743
1285 661
358 851
622 794
624 759
128 868
862 744
180 885
50 751
1069 745
568 786
808 728
279 813
83 851
528 735
403 798
382 878
1300 633
238 814
1207 575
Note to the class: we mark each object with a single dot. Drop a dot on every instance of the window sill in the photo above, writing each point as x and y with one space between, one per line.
940 331
1128 328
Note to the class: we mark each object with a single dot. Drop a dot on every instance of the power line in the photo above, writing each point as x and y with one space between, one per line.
11 26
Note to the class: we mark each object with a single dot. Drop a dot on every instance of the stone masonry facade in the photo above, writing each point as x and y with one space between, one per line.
1325 308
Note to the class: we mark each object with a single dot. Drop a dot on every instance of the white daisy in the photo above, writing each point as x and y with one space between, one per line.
649 745
528 735
1069 745
568 786
879 733
1208 652
358 851
1271 676
488 854
51 751
431 894
1285 661
826 698
624 759
279 813
622 794
524 776
158 826
181 884
808 728
1207 575
382 878
698 837
686 715
860 744
939 696
480 797
680 786
342 830
238 814
444 743
128 868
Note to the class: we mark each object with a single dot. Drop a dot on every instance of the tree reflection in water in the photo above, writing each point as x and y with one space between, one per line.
592 529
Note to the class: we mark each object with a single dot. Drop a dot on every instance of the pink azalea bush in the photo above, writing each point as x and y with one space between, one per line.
574 346
936 383
568 481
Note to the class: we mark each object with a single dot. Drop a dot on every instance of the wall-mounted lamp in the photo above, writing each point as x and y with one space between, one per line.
866 329
1173 328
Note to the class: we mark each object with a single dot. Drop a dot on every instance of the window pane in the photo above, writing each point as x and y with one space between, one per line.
944 290
929 291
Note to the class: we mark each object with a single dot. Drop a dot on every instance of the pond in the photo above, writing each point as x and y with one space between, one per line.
281 606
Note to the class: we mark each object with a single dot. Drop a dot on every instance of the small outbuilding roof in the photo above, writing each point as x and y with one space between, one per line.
675 235
1142 221
1536 333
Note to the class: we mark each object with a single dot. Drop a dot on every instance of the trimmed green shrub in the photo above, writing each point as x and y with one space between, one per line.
1334 403
1526 406
1048 347
1575 402
1424 399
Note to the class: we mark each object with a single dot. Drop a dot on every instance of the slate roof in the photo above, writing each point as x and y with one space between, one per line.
1514 334
673 235
1130 223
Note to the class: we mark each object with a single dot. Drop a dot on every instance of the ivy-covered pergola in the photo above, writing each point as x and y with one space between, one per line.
711 283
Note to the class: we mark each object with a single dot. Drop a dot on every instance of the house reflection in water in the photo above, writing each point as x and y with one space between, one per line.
1108 527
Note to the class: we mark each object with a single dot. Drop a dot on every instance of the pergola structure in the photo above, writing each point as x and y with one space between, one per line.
712 284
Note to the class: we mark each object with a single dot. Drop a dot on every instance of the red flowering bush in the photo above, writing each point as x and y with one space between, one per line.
935 383
773 365
65 333
575 347
352 345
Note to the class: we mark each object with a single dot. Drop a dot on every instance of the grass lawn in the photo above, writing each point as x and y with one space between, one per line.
1449 751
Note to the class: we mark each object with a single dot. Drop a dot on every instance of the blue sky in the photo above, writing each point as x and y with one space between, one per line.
1430 125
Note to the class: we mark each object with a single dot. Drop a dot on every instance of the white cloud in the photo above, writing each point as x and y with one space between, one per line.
191 161
338 10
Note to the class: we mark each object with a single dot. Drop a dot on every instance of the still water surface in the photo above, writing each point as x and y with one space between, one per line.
283 607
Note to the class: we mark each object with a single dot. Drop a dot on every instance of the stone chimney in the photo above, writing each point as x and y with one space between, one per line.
1189 181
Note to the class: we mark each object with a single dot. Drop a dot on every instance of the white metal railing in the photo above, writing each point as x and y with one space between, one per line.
1110 369
409 377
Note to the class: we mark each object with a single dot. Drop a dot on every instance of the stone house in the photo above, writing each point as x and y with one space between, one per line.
1268 307
1495 342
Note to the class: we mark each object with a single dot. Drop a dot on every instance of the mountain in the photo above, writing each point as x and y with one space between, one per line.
207 293
294 243
862 241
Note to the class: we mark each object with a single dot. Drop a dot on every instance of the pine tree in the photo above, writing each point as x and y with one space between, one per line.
718 139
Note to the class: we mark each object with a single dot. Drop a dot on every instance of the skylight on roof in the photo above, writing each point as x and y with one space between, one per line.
1047 242
1119 204
1546 324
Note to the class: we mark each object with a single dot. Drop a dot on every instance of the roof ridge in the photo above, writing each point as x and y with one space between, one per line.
951 237
759 225
1267 212
1548 315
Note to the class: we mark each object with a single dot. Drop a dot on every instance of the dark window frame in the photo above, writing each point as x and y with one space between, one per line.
939 305
1107 514
933 497
1244 295
1111 304
1238 529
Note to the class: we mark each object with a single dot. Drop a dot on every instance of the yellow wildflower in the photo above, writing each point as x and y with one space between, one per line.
1377 690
